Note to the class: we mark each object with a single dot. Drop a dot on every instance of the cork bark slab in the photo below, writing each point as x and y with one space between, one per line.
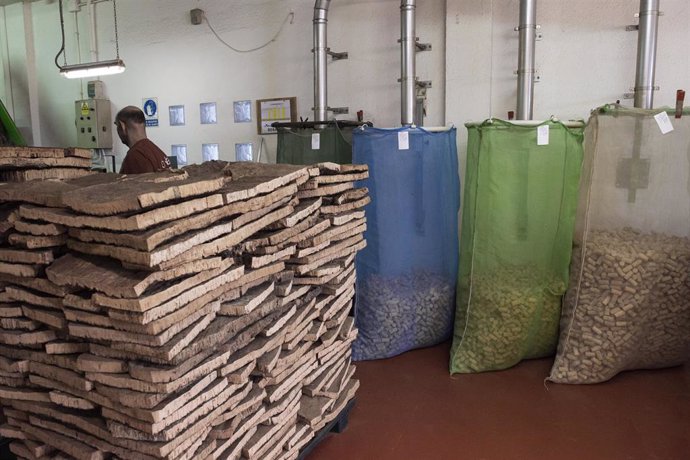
334 252
20 324
52 318
201 364
227 422
36 242
43 174
304 209
326 190
65 376
335 168
90 363
143 337
137 193
346 207
334 231
147 240
69 401
38 257
8 310
23 394
123 223
336 178
242 374
259 261
340 219
173 347
26 296
191 287
310 226
350 195
39 229
44 152
41 163
107 276
249 301
26 338
20 270
171 432
76 449
86 317
41 285
231 449
205 292
211 392
226 242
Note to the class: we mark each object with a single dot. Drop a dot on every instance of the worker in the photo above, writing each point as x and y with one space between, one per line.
143 155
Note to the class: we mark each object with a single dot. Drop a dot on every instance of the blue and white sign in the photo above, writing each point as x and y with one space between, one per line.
150 107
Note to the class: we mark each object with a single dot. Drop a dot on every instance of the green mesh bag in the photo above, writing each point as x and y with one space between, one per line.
295 145
517 226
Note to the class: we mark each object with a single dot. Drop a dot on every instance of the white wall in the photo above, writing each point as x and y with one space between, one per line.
585 59
183 64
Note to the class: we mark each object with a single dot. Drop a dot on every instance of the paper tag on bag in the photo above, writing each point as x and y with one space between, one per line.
543 135
316 141
403 140
664 122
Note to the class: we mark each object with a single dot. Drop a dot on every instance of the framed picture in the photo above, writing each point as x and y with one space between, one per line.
269 111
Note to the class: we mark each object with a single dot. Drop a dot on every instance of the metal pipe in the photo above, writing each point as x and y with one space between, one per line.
646 54
408 64
526 70
321 59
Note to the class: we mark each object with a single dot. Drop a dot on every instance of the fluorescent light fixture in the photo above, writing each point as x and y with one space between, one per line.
93 69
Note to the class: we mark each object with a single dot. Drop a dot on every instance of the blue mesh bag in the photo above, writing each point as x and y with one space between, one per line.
407 274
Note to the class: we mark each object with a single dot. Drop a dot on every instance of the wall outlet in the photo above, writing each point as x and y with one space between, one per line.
197 15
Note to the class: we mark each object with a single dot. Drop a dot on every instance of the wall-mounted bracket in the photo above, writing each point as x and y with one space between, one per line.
536 76
339 110
424 84
632 28
338 56
423 46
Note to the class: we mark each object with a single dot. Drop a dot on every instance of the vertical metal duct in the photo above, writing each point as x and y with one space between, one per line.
646 54
408 71
320 60
526 70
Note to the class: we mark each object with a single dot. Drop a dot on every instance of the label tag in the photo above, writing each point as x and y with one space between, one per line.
664 122
543 135
316 141
403 140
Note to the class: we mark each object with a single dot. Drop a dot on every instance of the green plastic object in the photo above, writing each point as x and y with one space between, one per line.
9 129
295 145
518 220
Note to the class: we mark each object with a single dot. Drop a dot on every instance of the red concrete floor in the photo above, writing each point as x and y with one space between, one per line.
409 407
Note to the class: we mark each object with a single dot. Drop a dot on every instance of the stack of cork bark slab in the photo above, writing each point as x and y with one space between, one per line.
193 314
20 164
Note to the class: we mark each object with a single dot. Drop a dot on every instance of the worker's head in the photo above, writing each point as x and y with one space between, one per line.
131 125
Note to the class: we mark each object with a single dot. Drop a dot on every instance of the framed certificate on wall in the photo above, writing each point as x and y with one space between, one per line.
269 111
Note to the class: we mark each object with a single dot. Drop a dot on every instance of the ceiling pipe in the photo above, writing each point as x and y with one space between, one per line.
526 71
646 54
408 64
320 59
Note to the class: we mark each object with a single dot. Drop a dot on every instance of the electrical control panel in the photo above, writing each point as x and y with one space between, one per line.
94 124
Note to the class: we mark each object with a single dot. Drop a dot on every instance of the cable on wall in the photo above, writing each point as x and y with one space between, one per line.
290 16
